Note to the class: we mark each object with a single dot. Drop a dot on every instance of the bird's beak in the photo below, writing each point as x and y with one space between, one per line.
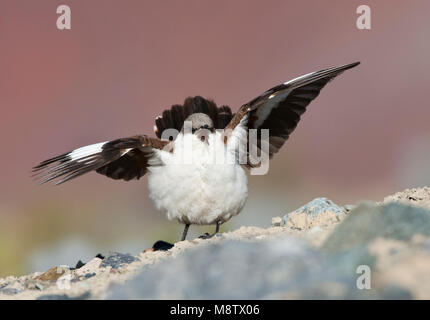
203 135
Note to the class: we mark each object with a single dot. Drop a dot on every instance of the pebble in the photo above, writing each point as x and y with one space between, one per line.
116 260
91 267
277 222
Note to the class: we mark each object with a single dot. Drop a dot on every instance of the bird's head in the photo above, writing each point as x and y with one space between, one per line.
201 125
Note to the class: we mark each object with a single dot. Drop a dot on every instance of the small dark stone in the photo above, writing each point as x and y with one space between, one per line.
100 256
38 286
161 245
116 259
80 264
89 275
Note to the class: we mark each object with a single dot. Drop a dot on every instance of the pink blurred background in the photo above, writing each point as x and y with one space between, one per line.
366 136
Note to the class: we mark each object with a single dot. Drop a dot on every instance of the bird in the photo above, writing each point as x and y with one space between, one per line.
197 160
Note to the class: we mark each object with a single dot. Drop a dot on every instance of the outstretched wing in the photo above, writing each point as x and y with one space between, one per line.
279 108
125 158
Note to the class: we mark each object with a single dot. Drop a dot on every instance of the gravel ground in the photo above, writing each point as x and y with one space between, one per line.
321 250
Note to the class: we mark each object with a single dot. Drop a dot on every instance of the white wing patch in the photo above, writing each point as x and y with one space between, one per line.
86 151
298 78
125 151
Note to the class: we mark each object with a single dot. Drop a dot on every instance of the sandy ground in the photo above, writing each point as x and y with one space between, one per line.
313 224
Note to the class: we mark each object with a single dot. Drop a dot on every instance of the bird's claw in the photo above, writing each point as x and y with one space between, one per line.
206 236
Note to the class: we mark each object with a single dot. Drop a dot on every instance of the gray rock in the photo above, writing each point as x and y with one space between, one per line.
319 205
116 260
214 272
306 217
286 268
10 291
388 238
83 296
368 222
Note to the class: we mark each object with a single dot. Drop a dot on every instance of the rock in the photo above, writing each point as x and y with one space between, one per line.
83 296
277 222
368 222
53 274
9 291
318 212
290 268
214 272
38 286
416 196
349 207
162 246
116 260
392 240
322 253
11 286
283 269
91 267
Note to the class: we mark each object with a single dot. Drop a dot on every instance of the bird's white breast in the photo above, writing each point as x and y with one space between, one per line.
199 183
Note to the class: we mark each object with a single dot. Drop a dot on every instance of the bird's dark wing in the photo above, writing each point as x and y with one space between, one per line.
125 158
279 108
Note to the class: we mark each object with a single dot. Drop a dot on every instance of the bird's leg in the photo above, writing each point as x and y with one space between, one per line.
207 235
217 228
184 234
164 246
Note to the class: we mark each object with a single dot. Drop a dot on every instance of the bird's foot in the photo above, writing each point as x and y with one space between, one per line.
205 236
208 236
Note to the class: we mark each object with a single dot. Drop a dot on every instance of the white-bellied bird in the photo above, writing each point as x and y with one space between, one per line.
184 180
